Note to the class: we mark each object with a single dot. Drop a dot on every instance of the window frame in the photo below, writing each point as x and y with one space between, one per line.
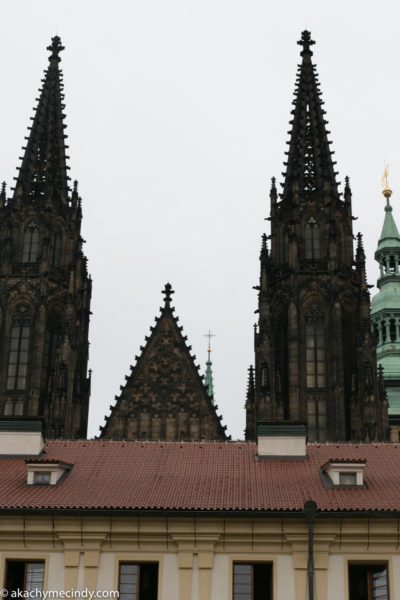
41 477
26 560
21 322
139 559
312 240
249 560
373 561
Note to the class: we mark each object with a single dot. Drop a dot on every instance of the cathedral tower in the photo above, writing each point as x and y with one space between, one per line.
315 357
385 313
45 288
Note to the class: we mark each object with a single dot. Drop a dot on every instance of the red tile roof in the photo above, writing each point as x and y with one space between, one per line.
201 476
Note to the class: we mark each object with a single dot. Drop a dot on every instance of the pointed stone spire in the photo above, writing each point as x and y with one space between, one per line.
43 171
208 380
309 167
3 194
360 262
75 199
251 418
273 195
250 387
347 190
264 247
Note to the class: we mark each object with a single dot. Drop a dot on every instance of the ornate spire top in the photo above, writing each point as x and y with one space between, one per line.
347 189
264 246
309 167
250 387
273 194
75 194
167 291
306 42
386 191
43 172
390 236
208 380
55 48
3 193
209 335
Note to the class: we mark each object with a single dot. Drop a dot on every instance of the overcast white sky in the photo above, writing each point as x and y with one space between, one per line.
177 115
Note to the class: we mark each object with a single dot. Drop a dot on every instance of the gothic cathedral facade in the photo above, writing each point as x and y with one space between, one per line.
315 355
45 287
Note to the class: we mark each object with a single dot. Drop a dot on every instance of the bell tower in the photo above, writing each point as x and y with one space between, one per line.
315 357
385 311
45 289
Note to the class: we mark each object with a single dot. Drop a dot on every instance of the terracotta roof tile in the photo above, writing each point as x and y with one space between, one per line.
201 476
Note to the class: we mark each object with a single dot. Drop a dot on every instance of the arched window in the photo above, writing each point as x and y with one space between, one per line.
312 240
315 350
56 249
18 355
30 246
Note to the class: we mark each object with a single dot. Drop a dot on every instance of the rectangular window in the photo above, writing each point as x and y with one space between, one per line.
347 478
25 576
41 477
252 581
138 581
368 582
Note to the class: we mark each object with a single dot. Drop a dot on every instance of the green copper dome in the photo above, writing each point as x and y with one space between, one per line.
388 298
385 309
390 237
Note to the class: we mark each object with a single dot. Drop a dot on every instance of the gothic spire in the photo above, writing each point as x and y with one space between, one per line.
3 194
208 380
309 167
250 386
43 171
360 262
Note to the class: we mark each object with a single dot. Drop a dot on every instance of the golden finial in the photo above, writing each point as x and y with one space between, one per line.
209 335
386 191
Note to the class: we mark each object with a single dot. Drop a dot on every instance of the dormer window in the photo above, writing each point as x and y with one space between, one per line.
46 473
41 477
347 478
344 473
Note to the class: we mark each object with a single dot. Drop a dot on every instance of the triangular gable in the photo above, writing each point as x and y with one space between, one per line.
164 397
